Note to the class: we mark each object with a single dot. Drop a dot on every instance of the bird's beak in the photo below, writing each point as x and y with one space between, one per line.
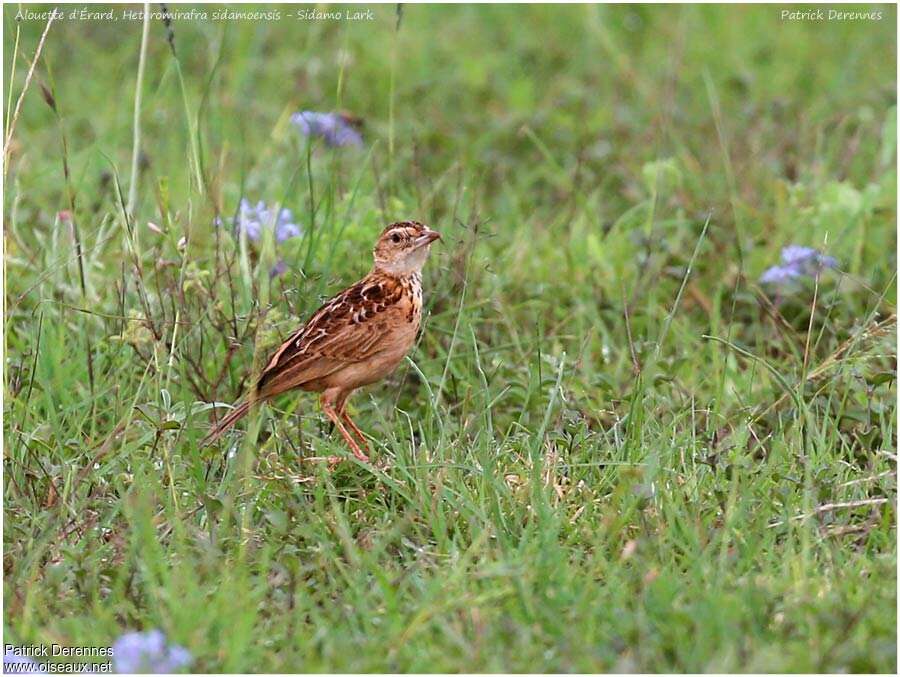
427 238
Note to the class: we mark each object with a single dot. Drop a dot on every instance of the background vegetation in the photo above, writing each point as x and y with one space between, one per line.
612 448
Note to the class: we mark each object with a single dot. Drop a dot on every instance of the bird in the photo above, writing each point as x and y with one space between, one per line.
354 339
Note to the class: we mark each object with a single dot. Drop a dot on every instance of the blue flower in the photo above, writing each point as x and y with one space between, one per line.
285 227
335 128
254 218
797 255
148 652
279 268
13 664
796 262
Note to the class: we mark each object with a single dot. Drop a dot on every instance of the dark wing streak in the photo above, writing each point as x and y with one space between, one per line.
320 320
295 372
353 342
333 334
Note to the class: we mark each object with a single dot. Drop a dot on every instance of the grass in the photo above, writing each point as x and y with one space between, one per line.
611 450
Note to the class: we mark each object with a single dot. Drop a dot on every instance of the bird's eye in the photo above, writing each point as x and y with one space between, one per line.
395 238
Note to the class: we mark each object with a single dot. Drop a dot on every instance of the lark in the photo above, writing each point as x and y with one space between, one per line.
355 339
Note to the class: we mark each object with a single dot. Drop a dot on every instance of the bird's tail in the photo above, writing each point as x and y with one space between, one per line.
225 424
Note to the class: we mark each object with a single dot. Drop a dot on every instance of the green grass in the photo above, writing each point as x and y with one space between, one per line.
611 449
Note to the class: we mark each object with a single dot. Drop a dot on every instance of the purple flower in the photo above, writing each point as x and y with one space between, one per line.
335 128
285 227
797 255
796 262
279 268
778 275
15 664
148 652
254 218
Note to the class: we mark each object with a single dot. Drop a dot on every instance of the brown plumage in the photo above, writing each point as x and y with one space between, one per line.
356 338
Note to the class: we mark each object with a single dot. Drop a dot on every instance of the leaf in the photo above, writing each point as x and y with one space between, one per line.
142 410
660 176
881 377
211 504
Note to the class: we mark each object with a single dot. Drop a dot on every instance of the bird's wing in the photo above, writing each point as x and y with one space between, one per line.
348 328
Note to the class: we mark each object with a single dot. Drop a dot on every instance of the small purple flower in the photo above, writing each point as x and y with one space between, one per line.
797 255
779 275
285 227
14 664
254 218
148 652
279 268
336 129
796 262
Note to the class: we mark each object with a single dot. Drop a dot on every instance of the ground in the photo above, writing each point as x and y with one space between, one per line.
613 447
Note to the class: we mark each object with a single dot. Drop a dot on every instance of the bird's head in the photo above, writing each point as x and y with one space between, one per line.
403 247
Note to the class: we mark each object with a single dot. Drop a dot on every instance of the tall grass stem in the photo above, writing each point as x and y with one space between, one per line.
136 138
12 125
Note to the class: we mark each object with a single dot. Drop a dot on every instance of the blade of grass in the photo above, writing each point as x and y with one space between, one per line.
136 123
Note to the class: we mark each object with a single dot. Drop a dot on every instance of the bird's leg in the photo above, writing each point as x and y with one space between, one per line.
330 412
359 433
345 417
